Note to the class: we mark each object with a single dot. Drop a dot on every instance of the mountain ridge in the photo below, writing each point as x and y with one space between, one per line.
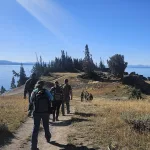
6 62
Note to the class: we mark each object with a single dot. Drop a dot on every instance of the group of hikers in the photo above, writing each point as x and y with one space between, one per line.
86 96
43 102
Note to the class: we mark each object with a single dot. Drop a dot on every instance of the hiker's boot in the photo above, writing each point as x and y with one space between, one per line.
63 113
34 148
48 139
57 114
29 113
53 119
68 112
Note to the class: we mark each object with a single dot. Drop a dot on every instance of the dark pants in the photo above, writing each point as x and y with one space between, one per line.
29 96
81 98
56 107
37 118
29 108
67 102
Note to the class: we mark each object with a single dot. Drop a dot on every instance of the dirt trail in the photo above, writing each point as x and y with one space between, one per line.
59 131
21 136
20 89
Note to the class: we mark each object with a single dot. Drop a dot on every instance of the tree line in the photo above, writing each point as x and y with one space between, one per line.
66 63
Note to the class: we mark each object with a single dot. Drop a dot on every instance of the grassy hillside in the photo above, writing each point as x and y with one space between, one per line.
111 119
13 111
104 122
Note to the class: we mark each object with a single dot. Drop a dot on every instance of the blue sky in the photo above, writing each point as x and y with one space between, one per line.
48 26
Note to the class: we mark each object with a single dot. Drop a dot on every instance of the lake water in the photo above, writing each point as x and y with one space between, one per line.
141 71
6 73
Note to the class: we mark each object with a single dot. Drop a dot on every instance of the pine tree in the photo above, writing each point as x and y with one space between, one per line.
63 59
22 76
3 90
59 64
13 83
88 65
101 65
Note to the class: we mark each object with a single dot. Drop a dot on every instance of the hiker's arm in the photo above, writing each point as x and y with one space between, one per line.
62 94
32 99
71 95
52 91
50 95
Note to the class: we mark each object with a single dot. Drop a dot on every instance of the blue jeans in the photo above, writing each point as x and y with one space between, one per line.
37 119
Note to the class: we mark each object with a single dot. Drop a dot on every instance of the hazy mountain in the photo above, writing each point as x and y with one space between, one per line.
139 66
5 62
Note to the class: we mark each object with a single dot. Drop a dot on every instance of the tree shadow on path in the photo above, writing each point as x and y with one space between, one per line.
6 138
70 146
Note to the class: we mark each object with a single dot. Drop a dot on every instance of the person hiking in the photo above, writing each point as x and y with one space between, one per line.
82 96
86 95
67 96
91 96
58 96
28 88
40 103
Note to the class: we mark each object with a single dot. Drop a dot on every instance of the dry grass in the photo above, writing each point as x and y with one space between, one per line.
104 122
100 123
60 77
13 110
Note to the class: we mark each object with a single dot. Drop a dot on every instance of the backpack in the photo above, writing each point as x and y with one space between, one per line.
66 90
42 103
58 94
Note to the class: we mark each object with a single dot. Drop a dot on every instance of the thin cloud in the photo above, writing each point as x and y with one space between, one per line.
49 14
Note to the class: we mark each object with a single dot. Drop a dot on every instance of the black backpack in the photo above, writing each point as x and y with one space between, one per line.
42 102
58 95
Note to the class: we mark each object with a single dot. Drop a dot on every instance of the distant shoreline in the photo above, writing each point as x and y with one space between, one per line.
6 62
16 64
138 67
9 64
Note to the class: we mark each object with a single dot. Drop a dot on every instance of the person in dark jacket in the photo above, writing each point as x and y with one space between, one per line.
91 96
40 104
58 96
28 88
82 96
